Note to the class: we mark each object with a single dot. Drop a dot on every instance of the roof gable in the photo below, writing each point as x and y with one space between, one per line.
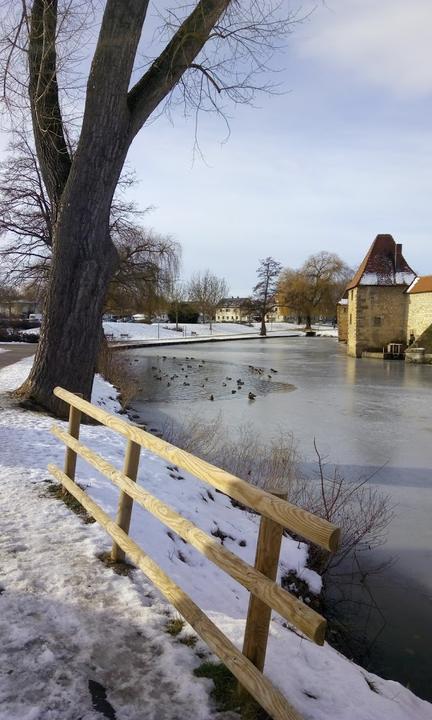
421 285
384 264
233 302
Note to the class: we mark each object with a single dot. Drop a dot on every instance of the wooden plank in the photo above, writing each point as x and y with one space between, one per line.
73 428
296 612
257 684
297 519
124 511
259 614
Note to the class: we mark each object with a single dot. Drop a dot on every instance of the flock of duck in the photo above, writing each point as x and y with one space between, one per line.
185 378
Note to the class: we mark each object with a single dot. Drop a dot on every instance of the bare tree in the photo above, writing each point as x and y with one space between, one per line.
176 294
146 261
147 264
206 291
264 291
216 50
316 287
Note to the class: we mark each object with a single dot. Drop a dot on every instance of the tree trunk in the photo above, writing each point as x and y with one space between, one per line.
84 259
263 331
308 322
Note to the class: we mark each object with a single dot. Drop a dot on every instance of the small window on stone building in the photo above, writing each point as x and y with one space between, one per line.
377 321
350 319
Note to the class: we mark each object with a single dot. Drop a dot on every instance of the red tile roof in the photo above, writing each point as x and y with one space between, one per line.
421 285
384 264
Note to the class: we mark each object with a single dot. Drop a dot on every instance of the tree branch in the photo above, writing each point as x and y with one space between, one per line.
106 99
52 150
175 59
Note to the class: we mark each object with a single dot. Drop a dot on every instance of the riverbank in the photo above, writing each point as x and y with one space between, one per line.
371 419
133 344
70 624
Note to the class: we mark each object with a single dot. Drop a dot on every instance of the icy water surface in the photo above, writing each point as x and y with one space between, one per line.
368 416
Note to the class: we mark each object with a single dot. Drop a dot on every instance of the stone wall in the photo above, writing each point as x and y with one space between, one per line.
342 322
377 316
419 313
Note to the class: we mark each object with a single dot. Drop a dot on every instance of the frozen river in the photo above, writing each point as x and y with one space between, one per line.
368 416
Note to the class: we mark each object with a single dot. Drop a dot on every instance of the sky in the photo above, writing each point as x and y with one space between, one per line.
344 153
341 153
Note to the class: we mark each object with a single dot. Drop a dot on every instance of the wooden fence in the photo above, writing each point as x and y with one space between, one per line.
276 514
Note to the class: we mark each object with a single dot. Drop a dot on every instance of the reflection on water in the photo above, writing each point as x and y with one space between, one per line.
366 415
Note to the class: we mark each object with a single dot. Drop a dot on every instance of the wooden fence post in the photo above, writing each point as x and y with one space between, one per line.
73 429
124 510
259 614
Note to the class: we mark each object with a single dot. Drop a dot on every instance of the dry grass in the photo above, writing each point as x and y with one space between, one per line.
361 511
120 568
57 491
174 626
116 370
271 466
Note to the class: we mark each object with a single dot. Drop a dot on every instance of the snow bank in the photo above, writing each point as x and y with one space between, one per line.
65 618
124 331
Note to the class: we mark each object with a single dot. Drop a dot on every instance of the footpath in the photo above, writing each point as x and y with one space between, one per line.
131 344
11 353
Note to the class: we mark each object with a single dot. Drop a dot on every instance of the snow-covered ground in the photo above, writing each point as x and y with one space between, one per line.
124 331
142 331
66 620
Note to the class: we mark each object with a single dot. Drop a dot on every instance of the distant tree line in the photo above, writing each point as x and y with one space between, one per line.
146 280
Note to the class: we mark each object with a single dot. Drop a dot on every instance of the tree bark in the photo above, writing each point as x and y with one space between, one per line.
70 336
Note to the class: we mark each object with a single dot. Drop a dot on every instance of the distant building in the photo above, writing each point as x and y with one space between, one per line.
240 309
17 308
233 309
385 302
419 295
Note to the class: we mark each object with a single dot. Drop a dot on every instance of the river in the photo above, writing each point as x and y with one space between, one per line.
371 418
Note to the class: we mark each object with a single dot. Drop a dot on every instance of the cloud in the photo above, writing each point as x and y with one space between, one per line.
386 43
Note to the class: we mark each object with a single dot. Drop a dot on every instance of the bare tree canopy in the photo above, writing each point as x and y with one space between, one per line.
146 261
264 291
206 291
147 264
316 287
215 51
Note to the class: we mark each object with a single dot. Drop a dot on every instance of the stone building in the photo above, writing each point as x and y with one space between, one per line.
419 310
377 312
342 319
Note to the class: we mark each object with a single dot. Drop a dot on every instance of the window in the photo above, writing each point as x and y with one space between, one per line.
350 319
377 321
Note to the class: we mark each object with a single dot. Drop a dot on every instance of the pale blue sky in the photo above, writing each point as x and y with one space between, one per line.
344 154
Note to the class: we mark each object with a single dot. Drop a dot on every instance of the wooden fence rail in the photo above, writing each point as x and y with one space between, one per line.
277 514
